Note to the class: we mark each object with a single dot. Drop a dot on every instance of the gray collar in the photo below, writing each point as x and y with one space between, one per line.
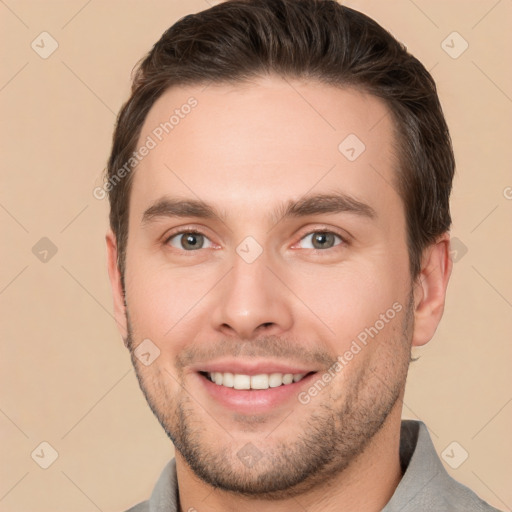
425 485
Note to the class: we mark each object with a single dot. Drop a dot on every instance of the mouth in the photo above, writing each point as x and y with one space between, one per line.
251 387
262 381
259 393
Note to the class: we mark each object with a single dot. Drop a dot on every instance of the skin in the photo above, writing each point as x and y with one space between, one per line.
246 150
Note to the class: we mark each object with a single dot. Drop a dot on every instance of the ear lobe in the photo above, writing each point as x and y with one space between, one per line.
115 283
430 290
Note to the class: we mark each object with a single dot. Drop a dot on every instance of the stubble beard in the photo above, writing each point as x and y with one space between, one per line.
332 436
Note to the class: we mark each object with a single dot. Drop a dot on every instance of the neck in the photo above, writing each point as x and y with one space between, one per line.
366 484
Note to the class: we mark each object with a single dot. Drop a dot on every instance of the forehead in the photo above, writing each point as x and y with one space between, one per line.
246 145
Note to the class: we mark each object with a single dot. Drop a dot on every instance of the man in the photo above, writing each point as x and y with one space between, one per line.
279 186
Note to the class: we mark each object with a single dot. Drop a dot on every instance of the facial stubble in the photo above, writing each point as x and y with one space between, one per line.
333 431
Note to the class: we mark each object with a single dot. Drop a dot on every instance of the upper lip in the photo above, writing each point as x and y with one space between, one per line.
254 367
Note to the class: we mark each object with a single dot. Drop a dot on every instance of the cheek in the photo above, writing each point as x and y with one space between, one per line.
162 300
352 298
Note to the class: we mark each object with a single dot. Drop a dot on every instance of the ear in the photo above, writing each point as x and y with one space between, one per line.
430 290
115 282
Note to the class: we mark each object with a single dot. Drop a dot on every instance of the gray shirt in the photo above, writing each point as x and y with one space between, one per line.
425 485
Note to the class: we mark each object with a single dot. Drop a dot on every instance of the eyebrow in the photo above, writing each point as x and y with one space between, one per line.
316 204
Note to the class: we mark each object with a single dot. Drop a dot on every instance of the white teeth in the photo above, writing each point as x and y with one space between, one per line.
287 378
261 381
275 380
242 382
228 380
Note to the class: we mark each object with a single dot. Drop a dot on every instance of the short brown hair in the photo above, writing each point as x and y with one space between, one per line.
318 40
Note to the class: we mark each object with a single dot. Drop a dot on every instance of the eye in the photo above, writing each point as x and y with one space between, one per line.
189 241
320 240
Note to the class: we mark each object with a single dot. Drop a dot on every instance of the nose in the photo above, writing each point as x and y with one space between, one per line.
252 301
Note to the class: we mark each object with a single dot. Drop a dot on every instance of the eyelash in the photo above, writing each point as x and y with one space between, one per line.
194 231
343 241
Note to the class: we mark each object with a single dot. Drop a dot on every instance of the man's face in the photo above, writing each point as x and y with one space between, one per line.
269 280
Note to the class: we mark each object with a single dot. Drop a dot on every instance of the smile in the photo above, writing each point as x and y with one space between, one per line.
247 382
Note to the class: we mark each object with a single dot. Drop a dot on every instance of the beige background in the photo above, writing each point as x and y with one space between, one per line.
65 376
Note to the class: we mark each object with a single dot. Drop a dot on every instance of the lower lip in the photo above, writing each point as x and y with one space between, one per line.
251 401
